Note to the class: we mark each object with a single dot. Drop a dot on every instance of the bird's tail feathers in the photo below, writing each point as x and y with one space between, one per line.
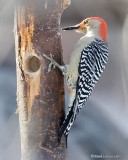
66 122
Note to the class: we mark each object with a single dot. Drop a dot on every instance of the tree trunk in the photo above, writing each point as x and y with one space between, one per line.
40 96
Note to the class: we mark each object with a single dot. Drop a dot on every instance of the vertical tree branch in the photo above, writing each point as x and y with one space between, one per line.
40 96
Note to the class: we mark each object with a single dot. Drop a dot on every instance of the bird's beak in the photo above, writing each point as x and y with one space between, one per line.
71 28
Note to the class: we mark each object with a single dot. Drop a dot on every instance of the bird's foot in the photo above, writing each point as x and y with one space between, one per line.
54 64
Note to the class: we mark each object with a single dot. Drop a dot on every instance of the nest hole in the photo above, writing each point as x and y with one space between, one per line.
32 64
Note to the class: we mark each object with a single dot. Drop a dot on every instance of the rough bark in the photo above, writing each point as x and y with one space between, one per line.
40 96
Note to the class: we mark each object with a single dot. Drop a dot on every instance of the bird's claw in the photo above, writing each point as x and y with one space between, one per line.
54 64
51 65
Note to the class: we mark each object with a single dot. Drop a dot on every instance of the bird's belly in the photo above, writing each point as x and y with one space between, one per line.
72 77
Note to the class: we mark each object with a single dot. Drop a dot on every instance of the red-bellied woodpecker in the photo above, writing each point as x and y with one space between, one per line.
87 62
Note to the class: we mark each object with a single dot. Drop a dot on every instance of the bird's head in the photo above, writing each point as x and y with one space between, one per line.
93 25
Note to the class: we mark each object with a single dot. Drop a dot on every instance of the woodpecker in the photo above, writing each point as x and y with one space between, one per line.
86 63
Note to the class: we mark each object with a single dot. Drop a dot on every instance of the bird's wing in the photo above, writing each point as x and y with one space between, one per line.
92 63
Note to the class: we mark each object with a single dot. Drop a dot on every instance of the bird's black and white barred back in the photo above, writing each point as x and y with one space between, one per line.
92 63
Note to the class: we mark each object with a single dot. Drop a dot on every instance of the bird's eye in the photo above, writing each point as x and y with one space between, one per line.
86 21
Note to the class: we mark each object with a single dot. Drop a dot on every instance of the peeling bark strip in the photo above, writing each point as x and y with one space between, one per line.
40 96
